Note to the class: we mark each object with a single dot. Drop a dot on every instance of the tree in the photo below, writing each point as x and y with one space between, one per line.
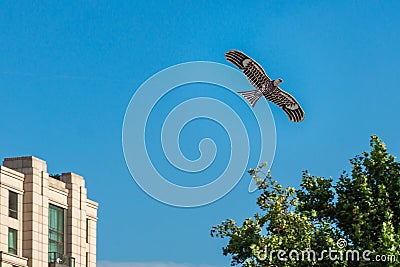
368 206
300 227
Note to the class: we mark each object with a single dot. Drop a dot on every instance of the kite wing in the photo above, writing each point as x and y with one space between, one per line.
253 71
286 102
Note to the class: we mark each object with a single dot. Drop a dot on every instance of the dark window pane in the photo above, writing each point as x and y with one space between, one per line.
12 204
87 230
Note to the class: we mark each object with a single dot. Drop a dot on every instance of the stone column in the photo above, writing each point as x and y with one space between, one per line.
91 212
35 208
76 217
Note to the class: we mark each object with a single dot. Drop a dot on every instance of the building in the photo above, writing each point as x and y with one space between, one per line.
44 221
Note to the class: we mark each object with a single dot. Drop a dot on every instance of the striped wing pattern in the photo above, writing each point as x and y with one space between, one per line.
287 103
259 79
253 71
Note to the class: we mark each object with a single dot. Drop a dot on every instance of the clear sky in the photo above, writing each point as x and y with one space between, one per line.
68 71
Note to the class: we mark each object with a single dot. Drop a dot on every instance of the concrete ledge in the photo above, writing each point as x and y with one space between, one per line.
12 173
15 260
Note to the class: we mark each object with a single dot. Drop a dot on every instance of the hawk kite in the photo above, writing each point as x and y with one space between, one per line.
264 86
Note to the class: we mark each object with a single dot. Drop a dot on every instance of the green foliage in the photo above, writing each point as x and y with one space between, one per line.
284 227
363 208
368 205
55 176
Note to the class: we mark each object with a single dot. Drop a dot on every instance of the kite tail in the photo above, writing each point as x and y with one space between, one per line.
251 96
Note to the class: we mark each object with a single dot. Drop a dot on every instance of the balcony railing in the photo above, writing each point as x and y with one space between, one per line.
59 260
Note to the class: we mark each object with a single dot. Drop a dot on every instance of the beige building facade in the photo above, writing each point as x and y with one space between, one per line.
44 221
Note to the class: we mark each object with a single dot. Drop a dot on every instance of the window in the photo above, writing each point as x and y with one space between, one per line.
12 241
56 231
87 230
13 204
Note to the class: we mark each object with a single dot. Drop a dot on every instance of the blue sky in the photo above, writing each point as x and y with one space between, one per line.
69 70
